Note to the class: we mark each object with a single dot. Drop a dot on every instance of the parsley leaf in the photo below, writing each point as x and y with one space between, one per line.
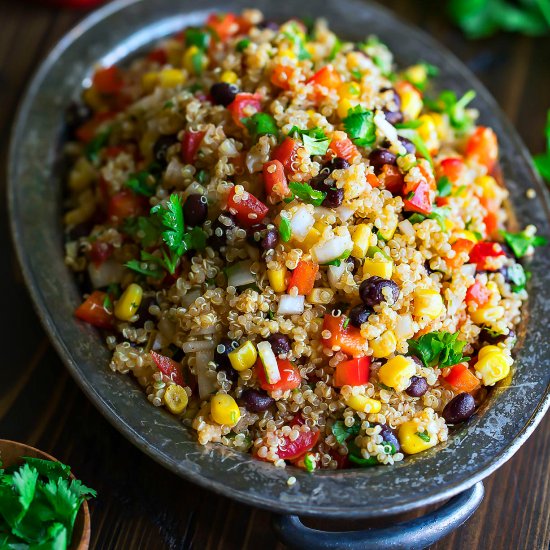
143 269
260 124
342 432
284 229
520 243
140 184
306 193
447 102
424 436
441 349
359 125
444 186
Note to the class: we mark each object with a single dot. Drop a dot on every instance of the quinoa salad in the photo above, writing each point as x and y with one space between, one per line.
297 248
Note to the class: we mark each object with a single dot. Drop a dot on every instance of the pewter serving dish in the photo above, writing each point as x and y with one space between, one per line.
123 29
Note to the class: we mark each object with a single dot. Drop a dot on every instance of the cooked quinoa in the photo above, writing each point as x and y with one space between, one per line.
295 247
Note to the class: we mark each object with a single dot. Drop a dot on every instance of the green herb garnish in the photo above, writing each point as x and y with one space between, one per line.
346 323
542 161
424 436
315 140
409 125
197 37
141 184
447 102
284 229
444 186
517 276
520 243
242 44
295 35
143 269
97 143
359 125
309 463
441 349
337 46
260 124
306 193
342 432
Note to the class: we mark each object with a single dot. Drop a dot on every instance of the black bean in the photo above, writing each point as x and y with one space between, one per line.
396 96
270 240
272 25
393 117
255 233
143 311
280 343
417 360
223 93
427 267
256 400
388 435
334 198
338 163
195 210
162 145
371 291
418 387
409 145
359 314
76 115
219 232
224 348
339 307
81 230
459 408
379 157
490 337
355 264
322 181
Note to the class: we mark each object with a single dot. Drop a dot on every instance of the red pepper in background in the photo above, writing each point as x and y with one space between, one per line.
100 252
168 367
482 253
453 168
420 199
244 101
108 80
348 339
281 75
94 312
190 144
482 146
354 372
125 204
478 293
249 210
392 179
285 153
341 146
462 379
159 55
87 131
274 179
459 246
225 25
303 277
491 223
290 376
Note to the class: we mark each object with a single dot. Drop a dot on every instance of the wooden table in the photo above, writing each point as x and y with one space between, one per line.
141 505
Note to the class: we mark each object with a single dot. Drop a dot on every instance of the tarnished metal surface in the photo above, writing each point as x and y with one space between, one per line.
514 408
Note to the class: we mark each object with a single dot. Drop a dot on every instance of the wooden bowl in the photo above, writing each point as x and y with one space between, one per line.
11 454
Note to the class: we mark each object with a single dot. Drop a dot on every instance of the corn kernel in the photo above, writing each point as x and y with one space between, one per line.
344 105
229 77
489 186
93 98
493 364
312 238
412 443
244 356
391 225
175 398
397 372
128 304
465 234
441 125
411 100
287 52
428 132
417 74
169 78
354 59
361 239
320 296
427 303
82 175
224 409
379 268
149 81
349 90
488 315
277 279
384 345
194 60
362 403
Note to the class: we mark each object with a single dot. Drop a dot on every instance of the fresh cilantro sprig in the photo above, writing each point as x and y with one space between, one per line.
260 124
438 349
521 243
306 193
142 183
315 140
542 161
342 432
449 103
172 219
97 143
359 125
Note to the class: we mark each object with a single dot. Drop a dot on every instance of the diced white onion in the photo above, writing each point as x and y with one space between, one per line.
406 228
174 172
167 328
469 270
211 329
193 346
228 148
206 379
190 297
344 213
108 273
240 274
404 327
300 224
290 305
331 250
269 361
335 273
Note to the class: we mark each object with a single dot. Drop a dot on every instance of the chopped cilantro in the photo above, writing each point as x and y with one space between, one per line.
243 44
336 47
143 269
447 102
315 140
410 195
146 230
439 213
172 219
107 303
260 124
296 36
168 104
342 432
357 74
409 125
444 186
309 462
197 37
424 436
96 144
197 62
520 243
202 176
346 323
270 315
441 349
306 193
542 161
140 184
517 276
359 125
284 229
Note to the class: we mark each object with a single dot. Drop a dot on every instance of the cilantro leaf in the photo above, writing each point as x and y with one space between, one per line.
260 124
441 349
408 125
447 102
359 125
439 213
517 276
520 243
146 230
315 140
97 143
444 187
342 432
336 47
284 229
197 37
140 184
306 193
295 35
47 468
172 219
542 161
143 269
195 239
24 482
242 44
309 463
337 261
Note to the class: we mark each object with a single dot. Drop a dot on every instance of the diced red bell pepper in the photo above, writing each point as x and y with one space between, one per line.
354 372
419 200
342 461
491 223
482 146
290 376
108 80
453 168
87 131
224 25
391 179
285 153
478 293
462 379
373 180
482 254
251 103
341 146
303 277
348 339
168 367
94 312
248 210
159 56
281 75
100 252
190 144
290 450
323 81
274 179
459 246
125 204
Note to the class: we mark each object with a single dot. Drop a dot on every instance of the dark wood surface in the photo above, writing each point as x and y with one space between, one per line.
141 505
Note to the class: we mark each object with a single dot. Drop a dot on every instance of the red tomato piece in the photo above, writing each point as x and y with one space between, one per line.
323 81
453 168
274 179
348 339
303 277
159 56
291 450
224 25
243 106
169 368
482 146
190 144
94 312
491 223
290 376
87 131
100 252
281 75
419 200
342 461
248 210
482 254
392 179
108 80
342 146
460 245
462 379
125 204
285 153
478 293
354 372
